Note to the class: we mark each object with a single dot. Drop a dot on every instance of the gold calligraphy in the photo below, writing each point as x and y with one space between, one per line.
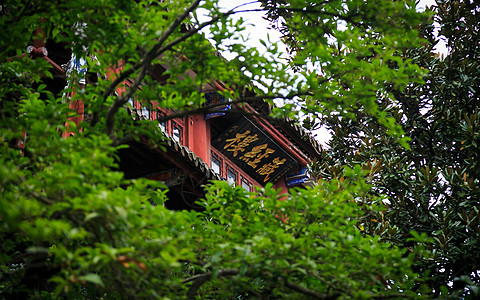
268 169
239 142
252 158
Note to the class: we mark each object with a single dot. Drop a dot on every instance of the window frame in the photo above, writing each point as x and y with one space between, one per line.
242 178
169 127
245 182
230 169
220 163
175 125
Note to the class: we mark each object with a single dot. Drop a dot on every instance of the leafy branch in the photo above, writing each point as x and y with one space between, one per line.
200 279
156 51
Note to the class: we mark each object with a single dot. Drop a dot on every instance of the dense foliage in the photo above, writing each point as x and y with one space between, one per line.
433 188
71 226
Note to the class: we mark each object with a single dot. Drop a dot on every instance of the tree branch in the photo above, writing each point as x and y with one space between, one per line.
329 285
392 296
309 292
199 280
209 108
144 63
306 11
156 51
120 101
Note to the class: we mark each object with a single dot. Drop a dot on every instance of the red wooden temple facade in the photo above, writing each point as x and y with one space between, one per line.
245 151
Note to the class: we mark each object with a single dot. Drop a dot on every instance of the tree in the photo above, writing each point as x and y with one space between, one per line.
432 188
72 226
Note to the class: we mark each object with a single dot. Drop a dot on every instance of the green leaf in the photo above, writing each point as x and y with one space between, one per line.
93 278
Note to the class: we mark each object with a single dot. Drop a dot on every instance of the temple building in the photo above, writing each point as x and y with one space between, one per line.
243 149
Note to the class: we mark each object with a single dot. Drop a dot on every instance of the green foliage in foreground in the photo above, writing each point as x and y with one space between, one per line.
70 230
87 237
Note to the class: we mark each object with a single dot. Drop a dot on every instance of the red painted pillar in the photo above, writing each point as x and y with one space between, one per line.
198 135
280 184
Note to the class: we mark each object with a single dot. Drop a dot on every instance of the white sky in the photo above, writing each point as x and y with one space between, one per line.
257 29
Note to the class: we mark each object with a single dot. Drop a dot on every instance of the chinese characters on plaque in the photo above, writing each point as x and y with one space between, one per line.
254 152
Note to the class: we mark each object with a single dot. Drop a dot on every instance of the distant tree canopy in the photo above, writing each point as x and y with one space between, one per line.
73 227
